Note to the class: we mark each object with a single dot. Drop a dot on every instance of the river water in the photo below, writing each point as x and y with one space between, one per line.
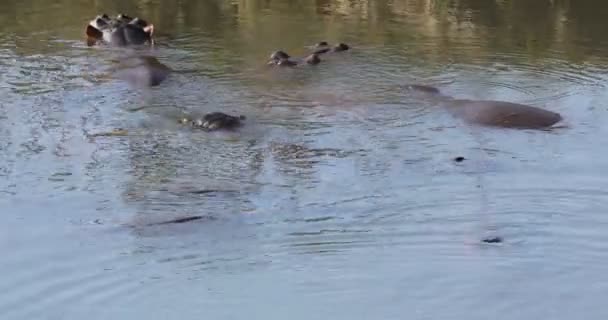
339 198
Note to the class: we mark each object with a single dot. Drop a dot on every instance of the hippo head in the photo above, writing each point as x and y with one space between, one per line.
96 28
123 19
139 22
341 47
279 55
122 30
215 121
323 47
101 22
279 58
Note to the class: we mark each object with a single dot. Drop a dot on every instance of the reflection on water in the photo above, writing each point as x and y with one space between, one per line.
339 197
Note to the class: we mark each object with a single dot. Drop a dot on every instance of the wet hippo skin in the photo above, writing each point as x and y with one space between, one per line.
493 113
215 121
280 58
323 47
143 71
122 31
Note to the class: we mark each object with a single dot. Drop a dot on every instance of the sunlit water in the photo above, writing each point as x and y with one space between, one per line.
339 198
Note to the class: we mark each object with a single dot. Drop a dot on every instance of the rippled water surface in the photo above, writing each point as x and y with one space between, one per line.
339 198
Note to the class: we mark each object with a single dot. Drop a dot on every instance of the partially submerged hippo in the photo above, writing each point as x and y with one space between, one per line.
494 113
324 47
281 58
214 121
503 114
121 31
142 71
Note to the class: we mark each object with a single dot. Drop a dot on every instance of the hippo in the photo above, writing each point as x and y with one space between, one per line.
143 71
125 19
494 113
323 47
281 58
214 121
122 31
504 114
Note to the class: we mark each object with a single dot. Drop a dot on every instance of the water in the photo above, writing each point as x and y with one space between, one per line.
339 199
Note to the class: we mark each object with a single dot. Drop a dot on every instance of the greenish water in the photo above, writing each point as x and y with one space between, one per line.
339 198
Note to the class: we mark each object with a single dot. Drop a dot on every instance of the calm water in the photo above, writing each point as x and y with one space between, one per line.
339 199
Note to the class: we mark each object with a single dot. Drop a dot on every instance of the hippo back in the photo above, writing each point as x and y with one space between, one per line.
503 114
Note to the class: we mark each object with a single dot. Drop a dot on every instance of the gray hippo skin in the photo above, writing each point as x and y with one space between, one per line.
493 113
323 47
282 59
122 31
215 121
503 114
143 71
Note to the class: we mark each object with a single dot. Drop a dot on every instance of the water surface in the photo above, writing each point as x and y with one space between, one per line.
339 199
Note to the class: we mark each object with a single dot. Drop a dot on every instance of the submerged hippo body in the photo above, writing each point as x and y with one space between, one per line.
143 71
215 121
121 31
129 34
493 113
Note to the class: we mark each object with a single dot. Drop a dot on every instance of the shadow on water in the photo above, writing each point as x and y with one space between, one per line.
340 187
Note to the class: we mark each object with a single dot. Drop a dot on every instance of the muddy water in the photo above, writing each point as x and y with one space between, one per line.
339 199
